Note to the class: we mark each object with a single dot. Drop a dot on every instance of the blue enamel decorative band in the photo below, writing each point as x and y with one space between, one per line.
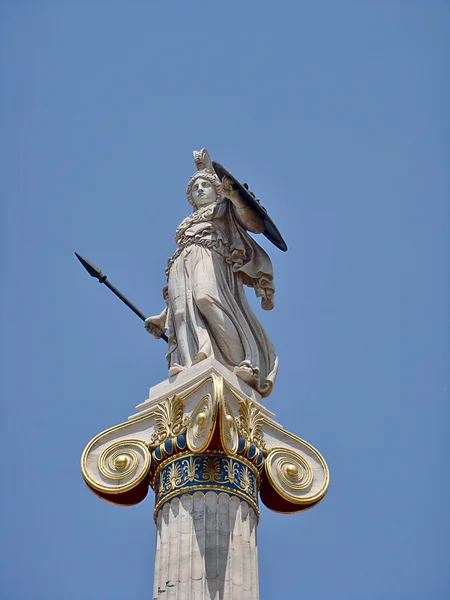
189 473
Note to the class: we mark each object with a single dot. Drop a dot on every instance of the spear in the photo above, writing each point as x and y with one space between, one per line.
96 272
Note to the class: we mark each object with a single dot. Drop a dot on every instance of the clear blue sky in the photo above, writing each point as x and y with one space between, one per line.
337 113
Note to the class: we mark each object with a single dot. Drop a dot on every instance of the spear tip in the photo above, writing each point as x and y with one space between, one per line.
90 267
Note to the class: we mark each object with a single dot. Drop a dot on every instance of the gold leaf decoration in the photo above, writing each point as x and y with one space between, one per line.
291 475
173 476
250 422
228 428
190 467
169 420
231 469
246 480
201 424
161 483
211 469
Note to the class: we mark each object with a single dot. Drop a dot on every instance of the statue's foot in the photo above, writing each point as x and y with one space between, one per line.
175 369
198 358
247 373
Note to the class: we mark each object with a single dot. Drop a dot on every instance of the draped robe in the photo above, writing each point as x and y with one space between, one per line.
208 311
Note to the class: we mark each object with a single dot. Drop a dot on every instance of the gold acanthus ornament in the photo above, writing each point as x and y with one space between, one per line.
191 466
232 470
250 424
173 476
170 421
211 469
245 480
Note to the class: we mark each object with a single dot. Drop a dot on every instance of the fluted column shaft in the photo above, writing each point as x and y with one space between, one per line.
206 548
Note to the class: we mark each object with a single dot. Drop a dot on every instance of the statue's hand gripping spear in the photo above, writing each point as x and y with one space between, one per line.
96 272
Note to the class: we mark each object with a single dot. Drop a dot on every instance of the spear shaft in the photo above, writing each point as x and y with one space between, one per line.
97 273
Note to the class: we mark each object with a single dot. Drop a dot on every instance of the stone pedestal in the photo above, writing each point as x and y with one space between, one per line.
208 448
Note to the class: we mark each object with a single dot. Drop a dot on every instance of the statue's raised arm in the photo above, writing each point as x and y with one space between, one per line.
207 312
248 206
245 212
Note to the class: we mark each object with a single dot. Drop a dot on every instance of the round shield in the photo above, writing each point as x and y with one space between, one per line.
270 229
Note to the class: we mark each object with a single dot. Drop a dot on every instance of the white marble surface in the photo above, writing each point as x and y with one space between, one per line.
206 549
190 378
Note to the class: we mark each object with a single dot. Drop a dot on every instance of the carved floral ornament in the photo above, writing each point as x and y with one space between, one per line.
250 424
199 425
170 420
189 473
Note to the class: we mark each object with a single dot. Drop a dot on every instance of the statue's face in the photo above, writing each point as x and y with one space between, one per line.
203 192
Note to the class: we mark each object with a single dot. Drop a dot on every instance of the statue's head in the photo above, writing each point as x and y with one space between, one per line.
203 192
204 186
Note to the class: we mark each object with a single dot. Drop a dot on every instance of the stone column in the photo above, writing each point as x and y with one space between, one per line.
206 548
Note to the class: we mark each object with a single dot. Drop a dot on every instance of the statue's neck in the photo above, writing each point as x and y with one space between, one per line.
202 209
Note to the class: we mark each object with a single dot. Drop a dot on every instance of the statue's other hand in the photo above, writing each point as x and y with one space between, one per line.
153 326
228 189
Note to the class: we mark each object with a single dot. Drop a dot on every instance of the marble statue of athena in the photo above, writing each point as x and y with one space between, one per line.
202 440
207 313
